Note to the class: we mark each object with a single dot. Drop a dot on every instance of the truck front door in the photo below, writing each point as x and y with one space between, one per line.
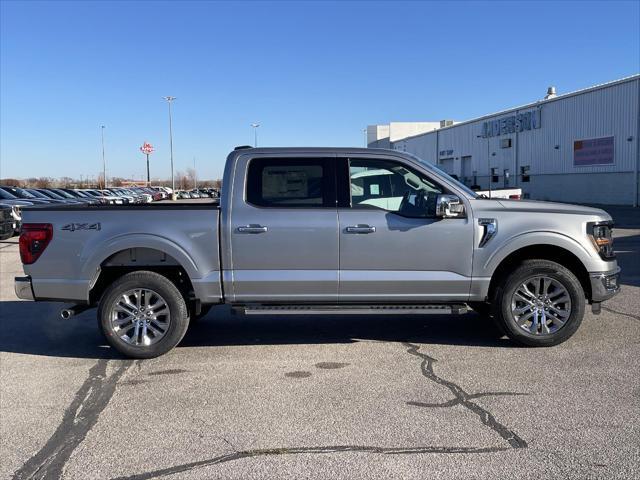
393 249
284 230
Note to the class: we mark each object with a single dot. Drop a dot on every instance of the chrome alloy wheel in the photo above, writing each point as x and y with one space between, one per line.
541 305
140 317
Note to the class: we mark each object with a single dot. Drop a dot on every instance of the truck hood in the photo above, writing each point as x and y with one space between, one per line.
552 207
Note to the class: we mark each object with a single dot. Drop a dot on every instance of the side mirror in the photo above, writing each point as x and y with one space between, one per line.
449 206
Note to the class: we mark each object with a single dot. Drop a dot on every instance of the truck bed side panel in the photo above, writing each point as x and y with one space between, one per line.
83 239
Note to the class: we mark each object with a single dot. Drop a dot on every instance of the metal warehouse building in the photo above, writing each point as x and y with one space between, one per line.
579 147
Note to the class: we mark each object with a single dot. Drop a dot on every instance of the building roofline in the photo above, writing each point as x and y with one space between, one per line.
599 86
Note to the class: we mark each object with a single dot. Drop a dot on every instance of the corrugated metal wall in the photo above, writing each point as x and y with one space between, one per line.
610 110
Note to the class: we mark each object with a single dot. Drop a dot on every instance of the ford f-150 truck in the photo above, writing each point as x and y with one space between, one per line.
318 231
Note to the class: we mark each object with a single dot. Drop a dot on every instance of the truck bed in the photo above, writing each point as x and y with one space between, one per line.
87 239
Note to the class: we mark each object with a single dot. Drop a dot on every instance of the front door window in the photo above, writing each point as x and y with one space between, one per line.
392 187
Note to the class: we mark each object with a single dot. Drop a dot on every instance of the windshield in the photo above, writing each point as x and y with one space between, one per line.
63 193
51 194
458 183
37 194
6 195
22 193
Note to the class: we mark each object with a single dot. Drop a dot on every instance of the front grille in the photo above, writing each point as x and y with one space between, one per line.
5 214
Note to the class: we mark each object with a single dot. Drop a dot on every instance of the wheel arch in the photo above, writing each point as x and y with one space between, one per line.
134 259
551 252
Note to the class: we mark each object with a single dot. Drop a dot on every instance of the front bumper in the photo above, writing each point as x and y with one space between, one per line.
23 288
604 285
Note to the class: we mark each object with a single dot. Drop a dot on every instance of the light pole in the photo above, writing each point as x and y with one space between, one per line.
255 133
488 162
364 132
104 161
195 176
170 99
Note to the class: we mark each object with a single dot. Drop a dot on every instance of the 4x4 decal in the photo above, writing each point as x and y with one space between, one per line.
72 227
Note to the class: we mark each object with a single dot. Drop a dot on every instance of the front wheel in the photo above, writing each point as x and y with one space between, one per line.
143 315
540 304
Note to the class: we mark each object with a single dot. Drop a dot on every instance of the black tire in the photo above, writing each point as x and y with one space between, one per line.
179 317
512 281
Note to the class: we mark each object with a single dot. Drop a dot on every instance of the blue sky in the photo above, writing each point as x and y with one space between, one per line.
312 73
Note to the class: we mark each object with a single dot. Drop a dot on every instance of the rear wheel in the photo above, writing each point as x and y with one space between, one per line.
540 304
143 315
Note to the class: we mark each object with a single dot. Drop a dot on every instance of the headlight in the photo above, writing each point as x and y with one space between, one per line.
600 235
16 212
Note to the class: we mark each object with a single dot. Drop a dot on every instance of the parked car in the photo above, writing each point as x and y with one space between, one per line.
24 195
42 196
130 197
162 192
154 193
303 231
83 195
56 196
16 205
6 222
107 196
67 196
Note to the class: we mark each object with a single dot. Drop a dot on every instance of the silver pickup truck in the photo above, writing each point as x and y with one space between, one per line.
321 231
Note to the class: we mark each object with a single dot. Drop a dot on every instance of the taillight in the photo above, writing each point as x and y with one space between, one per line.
514 197
34 238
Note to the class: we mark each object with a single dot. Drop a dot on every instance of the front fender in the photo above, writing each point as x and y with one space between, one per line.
489 264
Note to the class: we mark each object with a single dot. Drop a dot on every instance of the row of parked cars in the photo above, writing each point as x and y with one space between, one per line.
197 193
13 199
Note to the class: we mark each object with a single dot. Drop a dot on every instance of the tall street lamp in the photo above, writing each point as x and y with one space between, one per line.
173 182
364 132
104 161
255 133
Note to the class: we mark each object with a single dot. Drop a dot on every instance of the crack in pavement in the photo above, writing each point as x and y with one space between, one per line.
630 315
229 457
457 401
79 418
463 398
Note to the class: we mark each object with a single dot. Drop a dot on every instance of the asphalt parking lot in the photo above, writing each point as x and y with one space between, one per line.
331 397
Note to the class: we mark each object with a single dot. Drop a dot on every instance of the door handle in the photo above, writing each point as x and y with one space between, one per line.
252 229
360 229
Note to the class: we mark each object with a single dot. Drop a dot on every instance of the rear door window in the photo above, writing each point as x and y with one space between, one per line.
291 183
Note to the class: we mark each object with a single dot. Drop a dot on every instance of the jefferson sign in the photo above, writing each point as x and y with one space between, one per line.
514 123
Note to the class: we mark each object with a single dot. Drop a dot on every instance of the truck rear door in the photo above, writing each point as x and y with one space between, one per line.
284 230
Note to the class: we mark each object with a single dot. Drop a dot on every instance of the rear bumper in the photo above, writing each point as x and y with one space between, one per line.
604 285
23 288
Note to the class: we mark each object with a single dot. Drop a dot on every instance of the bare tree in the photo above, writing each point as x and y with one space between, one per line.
43 182
191 178
14 182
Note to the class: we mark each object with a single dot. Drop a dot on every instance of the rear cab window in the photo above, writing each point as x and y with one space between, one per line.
291 183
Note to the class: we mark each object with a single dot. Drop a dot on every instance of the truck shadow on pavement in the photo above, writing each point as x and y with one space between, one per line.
37 329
